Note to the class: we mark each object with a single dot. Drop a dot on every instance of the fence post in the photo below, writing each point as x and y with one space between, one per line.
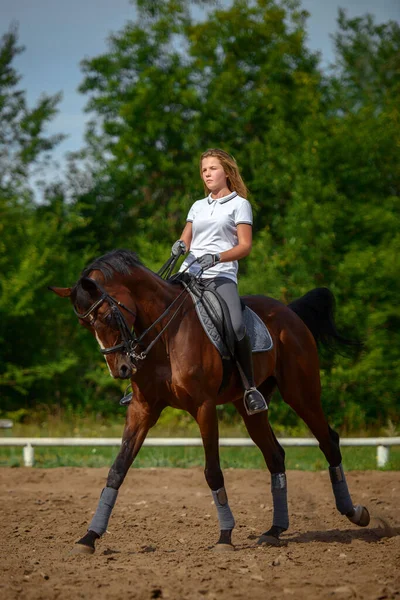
28 454
382 455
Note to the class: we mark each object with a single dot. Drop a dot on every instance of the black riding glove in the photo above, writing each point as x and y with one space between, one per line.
178 248
208 260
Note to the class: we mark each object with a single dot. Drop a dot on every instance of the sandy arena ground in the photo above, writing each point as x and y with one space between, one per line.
164 523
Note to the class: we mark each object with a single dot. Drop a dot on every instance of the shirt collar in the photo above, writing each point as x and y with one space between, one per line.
223 199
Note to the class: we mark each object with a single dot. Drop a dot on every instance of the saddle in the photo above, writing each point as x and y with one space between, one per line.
215 319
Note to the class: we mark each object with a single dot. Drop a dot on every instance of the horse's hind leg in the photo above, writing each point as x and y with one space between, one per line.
206 417
298 391
262 435
357 514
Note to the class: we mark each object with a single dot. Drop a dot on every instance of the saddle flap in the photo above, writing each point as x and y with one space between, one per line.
260 337
215 319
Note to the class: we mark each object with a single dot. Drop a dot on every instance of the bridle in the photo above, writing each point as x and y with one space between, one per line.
129 342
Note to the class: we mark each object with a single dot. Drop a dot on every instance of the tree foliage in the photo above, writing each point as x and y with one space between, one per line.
318 151
35 249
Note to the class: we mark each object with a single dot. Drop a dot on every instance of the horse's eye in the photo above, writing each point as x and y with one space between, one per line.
110 320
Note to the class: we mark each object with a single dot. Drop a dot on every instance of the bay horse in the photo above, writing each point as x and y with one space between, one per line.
180 367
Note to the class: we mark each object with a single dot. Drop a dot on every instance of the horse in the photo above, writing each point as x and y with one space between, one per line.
179 367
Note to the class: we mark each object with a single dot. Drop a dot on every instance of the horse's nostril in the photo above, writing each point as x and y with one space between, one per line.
124 371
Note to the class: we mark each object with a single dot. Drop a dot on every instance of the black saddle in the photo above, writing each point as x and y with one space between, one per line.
214 316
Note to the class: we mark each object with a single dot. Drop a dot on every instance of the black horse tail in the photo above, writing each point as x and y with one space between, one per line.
316 309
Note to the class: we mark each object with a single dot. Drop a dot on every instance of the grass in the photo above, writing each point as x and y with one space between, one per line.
172 423
309 459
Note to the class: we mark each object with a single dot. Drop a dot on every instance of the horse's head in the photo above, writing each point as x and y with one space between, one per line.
110 317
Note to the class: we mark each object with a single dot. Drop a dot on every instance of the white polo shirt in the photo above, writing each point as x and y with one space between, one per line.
214 230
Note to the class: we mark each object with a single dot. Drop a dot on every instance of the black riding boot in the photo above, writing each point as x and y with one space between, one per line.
254 401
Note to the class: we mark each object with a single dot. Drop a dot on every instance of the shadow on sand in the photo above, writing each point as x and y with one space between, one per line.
380 529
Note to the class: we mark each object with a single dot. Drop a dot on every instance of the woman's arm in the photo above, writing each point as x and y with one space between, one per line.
187 235
243 248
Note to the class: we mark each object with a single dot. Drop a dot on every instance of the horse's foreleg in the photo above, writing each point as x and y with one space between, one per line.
262 435
207 420
137 425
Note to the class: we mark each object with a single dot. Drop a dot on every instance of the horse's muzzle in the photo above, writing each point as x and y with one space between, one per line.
125 371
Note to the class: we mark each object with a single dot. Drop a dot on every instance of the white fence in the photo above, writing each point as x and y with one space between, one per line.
382 444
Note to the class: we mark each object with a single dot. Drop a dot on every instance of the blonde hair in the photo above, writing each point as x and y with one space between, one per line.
234 180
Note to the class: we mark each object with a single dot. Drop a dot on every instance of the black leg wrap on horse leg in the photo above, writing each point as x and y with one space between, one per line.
103 512
225 516
279 498
341 492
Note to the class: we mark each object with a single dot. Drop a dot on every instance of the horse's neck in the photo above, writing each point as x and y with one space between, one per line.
152 296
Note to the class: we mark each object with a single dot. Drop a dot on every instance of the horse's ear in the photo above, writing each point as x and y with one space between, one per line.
62 292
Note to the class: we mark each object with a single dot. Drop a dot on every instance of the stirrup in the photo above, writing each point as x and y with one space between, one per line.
126 398
257 402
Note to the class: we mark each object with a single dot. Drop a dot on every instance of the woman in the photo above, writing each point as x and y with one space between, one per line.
218 233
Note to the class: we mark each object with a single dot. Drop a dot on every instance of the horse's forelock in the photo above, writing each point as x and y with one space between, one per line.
81 298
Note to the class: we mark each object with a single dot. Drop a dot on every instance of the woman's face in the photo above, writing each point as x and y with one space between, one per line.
213 174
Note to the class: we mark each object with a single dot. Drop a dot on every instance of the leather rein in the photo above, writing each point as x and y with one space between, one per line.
130 342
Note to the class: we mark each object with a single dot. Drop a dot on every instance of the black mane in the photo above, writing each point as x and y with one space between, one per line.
117 261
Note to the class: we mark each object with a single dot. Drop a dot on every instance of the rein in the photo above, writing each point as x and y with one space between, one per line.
130 341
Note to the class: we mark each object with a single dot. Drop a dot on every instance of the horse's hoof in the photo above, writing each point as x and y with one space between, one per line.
268 540
223 548
82 549
365 518
385 530
360 516
271 537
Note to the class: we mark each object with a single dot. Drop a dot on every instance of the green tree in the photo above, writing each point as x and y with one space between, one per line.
23 142
33 251
169 87
341 226
318 152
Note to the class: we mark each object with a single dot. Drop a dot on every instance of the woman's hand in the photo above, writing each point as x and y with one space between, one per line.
208 260
178 248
